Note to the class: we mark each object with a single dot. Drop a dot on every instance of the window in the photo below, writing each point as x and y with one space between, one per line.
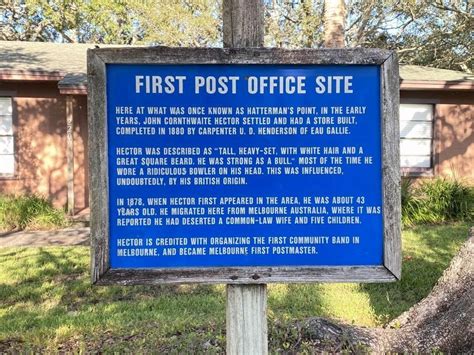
416 134
7 152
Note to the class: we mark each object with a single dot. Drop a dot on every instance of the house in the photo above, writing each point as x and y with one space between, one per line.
43 122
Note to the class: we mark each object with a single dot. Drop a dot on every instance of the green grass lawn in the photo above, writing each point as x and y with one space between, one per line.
48 304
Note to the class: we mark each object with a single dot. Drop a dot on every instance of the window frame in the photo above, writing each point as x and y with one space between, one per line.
11 95
417 171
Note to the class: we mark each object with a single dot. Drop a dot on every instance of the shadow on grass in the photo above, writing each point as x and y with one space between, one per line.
427 252
47 300
290 301
48 304
9 233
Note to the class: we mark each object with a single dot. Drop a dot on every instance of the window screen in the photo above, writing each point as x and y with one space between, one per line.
416 134
7 147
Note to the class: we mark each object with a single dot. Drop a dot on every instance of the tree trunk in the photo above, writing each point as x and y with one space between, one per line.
334 19
443 321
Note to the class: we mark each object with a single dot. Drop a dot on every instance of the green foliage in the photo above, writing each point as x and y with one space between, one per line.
161 22
48 304
293 24
179 22
437 201
436 33
29 212
96 21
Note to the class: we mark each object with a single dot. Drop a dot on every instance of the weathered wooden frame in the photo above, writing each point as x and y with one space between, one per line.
101 273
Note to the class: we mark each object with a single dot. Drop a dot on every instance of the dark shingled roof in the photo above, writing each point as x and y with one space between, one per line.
43 57
69 62
419 73
72 80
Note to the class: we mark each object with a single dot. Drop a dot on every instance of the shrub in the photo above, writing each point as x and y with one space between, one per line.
29 212
411 203
437 201
449 199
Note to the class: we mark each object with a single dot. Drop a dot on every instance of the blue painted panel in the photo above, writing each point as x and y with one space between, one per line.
262 181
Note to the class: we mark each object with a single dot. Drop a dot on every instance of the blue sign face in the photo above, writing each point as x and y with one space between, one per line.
244 165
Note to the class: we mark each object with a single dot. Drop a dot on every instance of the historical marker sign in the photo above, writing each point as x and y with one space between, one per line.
244 166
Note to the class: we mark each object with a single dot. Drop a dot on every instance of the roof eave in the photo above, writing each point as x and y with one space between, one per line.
436 85
38 75
405 85
31 75
73 90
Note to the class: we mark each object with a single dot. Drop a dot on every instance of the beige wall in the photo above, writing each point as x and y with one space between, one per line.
454 141
39 118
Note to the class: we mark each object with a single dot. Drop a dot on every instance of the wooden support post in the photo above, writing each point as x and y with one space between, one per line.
243 24
70 153
246 319
246 311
